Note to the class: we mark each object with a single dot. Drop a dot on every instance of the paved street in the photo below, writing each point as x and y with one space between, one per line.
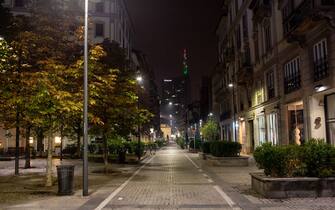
176 179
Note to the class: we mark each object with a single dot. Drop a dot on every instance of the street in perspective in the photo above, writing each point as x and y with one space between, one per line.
167 104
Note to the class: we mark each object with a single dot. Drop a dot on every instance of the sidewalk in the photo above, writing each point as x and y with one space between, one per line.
27 191
236 182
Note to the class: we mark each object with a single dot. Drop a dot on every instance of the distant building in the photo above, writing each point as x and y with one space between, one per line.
110 19
275 80
173 100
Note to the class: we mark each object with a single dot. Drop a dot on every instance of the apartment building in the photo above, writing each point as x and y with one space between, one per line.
275 79
108 19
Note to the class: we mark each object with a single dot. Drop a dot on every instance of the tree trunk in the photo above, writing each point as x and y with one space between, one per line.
27 152
61 141
40 137
78 142
49 161
17 142
104 139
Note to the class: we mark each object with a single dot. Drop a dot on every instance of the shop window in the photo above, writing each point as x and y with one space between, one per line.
330 118
272 121
320 59
292 79
261 129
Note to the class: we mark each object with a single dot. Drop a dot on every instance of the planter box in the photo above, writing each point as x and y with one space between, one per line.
228 161
292 187
202 155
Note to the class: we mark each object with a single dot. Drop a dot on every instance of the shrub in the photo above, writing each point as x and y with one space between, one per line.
160 143
205 147
181 142
136 149
314 159
196 145
225 149
210 130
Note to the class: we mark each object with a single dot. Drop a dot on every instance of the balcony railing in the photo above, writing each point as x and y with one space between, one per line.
305 14
292 83
321 69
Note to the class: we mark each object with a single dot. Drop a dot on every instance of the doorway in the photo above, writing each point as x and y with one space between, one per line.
251 135
330 118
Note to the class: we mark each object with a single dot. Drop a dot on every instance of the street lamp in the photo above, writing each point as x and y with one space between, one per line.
139 80
170 103
85 130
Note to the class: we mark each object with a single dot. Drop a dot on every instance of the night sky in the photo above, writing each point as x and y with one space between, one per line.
163 28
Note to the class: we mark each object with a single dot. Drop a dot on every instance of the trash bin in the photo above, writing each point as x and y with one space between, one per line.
65 175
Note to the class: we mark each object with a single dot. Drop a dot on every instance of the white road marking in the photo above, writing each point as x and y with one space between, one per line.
210 180
230 202
205 175
195 165
115 192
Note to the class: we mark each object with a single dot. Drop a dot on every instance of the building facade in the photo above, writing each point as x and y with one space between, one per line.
109 19
275 79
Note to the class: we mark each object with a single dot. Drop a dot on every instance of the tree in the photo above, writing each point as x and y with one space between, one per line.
210 130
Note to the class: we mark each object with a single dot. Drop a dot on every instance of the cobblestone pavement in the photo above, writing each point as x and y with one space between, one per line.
169 181
176 179
236 182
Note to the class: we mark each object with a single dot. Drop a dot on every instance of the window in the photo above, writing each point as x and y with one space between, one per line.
267 36
261 129
99 29
272 120
320 59
292 80
286 13
99 7
19 3
270 84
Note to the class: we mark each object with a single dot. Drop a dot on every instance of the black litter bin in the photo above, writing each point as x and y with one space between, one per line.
65 175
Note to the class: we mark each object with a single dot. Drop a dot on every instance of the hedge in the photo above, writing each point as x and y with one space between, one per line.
313 159
225 149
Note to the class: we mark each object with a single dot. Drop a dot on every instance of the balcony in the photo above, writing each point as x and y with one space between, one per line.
321 69
304 17
261 9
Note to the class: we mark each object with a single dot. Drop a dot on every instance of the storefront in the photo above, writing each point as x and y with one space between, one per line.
330 118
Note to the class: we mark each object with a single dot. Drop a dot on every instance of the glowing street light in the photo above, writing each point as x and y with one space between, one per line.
170 103
231 85
139 79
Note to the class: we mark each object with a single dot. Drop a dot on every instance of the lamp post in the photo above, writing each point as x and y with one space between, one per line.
232 86
85 130
139 81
